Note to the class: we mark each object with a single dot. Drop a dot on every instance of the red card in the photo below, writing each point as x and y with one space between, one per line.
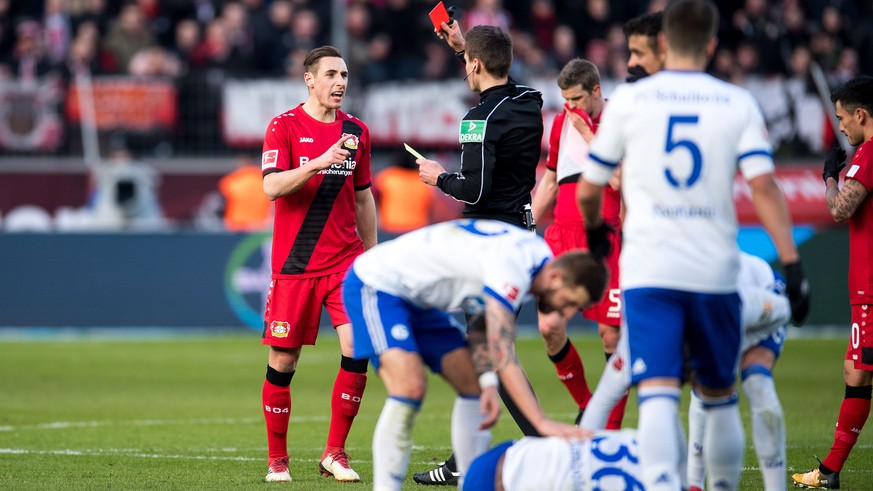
438 15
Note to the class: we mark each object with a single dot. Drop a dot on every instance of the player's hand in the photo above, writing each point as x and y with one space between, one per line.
797 288
429 171
547 427
452 34
489 405
834 162
334 155
600 240
580 124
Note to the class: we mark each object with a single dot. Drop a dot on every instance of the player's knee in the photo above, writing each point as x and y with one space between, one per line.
609 337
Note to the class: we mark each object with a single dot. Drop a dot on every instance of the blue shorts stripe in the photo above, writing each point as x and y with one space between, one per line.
755 369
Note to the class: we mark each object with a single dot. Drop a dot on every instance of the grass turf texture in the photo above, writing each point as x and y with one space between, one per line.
184 413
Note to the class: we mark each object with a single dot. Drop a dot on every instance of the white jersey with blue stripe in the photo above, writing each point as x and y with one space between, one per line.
607 462
680 137
441 265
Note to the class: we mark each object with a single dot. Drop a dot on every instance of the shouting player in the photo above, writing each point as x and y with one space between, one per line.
316 167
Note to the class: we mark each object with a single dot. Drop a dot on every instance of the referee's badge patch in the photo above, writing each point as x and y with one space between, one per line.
472 131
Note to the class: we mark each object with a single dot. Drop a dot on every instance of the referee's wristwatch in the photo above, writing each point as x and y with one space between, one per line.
441 179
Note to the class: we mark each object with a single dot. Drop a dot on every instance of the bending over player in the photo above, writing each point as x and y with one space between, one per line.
398 295
765 312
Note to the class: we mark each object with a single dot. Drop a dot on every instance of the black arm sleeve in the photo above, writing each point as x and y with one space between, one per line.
473 182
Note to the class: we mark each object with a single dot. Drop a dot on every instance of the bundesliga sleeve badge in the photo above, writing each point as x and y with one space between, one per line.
269 159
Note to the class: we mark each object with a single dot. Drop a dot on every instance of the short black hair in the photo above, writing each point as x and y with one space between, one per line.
492 46
310 63
689 25
855 93
648 25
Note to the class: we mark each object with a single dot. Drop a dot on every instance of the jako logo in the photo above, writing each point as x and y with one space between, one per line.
306 139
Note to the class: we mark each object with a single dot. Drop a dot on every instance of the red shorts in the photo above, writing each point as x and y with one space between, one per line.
561 239
860 351
293 310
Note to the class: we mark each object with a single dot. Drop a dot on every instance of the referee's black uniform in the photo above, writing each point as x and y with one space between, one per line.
500 149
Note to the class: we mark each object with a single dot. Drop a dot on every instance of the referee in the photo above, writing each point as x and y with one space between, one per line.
500 149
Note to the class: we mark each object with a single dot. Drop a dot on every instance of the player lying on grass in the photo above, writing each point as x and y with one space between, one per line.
765 312
398 296
608 461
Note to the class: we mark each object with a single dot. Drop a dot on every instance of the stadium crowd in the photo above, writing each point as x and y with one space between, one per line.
200 44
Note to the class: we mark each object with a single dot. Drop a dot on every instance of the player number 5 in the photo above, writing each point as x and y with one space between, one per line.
693 149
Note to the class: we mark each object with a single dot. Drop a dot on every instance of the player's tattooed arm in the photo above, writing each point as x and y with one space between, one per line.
478 341
501 329
843 202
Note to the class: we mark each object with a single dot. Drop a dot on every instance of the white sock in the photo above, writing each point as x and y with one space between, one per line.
723 441
696 427
610 389
768 425
660 450
392 443
468 441
683 452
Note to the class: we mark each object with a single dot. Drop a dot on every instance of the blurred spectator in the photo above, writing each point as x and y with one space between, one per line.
487 13
128 34
216 51
93 11
592 23
401 25
239 34
274 40
846 68
404 202
154 61
755 27
306 30
28 61
439 64
357 54
529 61
57 30
543 22
186 41
563 46
246 208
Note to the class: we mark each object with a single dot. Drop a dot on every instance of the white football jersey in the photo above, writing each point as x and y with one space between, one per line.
607 462
765 309
441 265
680 137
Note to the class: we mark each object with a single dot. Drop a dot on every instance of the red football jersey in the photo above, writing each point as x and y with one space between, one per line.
314 230
567 151
861 229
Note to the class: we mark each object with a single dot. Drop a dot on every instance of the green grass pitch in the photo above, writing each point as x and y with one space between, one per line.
184 413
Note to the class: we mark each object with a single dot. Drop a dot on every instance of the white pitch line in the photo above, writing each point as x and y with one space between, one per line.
61 425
